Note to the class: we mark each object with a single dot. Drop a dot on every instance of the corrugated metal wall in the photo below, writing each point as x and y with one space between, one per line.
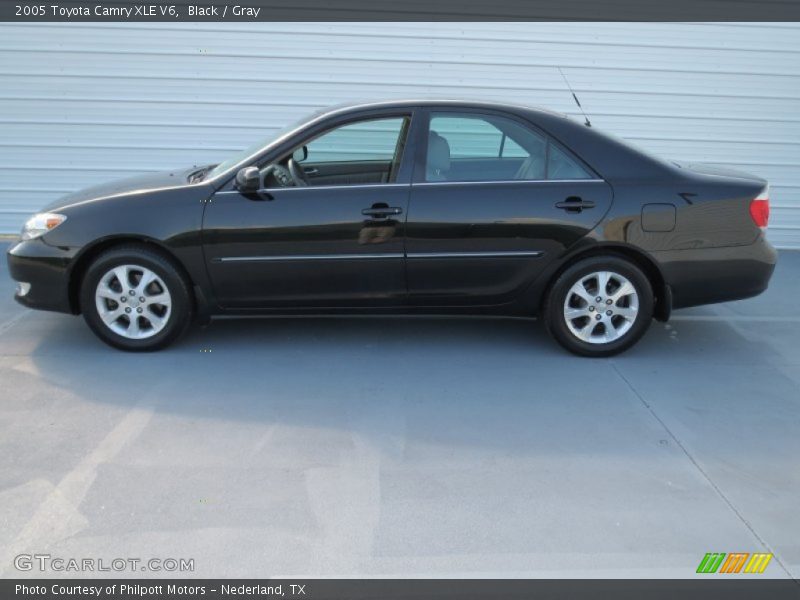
83 103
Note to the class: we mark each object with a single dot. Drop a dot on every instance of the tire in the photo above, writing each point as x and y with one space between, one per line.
162 309
588 329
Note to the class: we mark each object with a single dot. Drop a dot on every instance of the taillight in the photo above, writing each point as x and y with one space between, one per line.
759 208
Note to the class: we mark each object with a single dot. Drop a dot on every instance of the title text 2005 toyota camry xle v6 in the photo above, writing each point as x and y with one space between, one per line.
406 207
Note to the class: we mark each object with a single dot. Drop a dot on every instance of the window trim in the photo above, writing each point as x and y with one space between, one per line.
322 187
506 182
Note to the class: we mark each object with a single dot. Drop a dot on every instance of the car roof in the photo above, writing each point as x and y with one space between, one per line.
437 102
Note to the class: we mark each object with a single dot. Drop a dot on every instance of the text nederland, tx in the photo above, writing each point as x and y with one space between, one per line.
97 591
148 10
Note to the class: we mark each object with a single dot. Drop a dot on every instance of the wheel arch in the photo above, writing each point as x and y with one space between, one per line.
96 248
661 291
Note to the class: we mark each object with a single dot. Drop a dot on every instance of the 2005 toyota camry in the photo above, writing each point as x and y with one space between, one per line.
406 207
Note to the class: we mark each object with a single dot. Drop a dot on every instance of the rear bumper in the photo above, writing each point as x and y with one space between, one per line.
710 275
46 271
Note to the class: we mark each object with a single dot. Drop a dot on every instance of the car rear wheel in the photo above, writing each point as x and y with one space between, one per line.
599 306
135 299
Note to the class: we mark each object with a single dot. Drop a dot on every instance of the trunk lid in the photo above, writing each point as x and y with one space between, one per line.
719 171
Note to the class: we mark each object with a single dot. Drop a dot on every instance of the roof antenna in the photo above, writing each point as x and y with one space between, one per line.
578 102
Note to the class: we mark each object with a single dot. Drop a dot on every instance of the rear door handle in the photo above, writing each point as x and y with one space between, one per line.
574 204
381 211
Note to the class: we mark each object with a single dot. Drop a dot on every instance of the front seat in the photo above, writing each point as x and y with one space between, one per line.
438 158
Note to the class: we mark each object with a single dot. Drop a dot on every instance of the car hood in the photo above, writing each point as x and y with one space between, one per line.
139 184
719 171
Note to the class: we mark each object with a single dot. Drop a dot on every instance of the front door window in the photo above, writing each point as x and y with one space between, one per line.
364 152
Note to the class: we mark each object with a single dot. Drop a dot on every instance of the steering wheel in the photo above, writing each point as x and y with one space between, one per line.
280 173
298 174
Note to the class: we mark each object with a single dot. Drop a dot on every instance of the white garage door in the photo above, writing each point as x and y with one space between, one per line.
84 103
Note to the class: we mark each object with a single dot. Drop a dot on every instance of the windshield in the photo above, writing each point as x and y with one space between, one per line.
250 150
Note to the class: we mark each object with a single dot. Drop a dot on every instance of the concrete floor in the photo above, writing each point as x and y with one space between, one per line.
406 447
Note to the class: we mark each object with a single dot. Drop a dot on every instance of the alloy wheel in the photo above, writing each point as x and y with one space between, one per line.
133 301
601 307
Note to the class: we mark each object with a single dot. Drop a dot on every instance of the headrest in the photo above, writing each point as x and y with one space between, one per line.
438 153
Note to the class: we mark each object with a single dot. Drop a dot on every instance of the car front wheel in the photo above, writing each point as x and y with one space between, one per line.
599 306
135 299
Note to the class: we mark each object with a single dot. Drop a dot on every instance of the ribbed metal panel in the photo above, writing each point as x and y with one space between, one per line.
84 103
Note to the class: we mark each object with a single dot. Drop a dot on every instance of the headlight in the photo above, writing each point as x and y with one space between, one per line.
41 223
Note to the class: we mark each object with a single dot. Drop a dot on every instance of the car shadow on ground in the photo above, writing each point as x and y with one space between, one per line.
472 387
240 368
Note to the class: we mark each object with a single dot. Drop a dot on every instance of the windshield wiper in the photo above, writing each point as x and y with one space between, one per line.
198 175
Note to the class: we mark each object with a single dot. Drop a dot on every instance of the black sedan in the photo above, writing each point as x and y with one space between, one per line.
406 207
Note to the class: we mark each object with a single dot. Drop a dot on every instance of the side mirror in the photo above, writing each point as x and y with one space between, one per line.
248 179
300 154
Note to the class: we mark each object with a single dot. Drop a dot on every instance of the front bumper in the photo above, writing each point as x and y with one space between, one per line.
711 275
45 269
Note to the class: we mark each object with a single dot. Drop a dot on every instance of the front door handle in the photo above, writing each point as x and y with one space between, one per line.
575 204
381 211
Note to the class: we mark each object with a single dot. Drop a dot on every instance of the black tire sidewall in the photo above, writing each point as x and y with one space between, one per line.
181 311
554 306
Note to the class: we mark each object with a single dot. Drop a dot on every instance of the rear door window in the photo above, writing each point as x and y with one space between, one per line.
473 147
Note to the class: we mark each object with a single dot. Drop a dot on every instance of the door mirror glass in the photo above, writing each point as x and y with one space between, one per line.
300 154
248 179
